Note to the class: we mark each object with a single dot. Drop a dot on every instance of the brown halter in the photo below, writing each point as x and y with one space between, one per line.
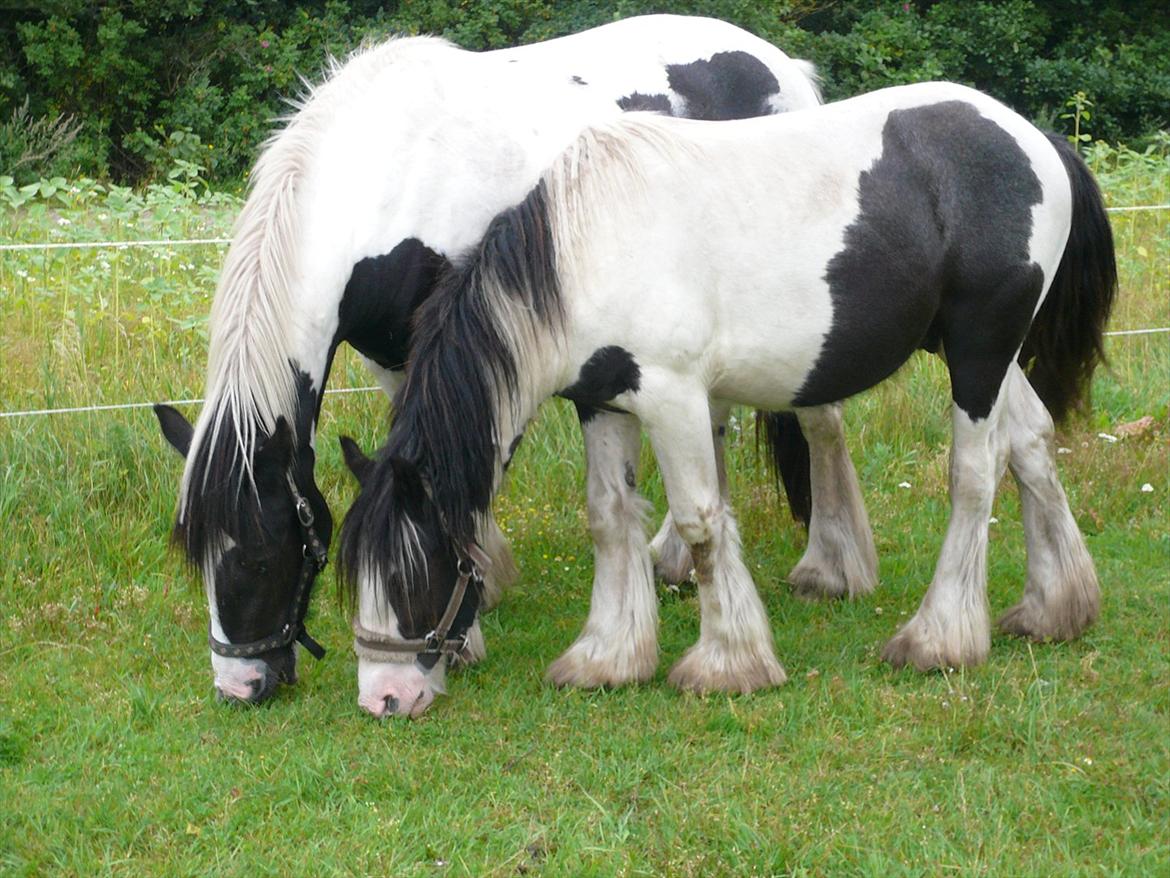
437 643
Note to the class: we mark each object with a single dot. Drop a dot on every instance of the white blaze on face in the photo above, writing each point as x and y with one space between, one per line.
395 687
234 677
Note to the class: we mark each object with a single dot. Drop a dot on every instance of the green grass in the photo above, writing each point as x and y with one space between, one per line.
115 759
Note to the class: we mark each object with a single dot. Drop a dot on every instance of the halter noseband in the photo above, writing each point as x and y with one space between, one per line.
316 556
438 643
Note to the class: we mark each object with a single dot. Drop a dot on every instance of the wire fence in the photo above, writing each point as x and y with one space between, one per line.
181 242
187 242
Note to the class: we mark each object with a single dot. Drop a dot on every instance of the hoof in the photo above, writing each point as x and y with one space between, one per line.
671 554
820 579
811 583
1030 618
707 669
673 563
923 647
592 663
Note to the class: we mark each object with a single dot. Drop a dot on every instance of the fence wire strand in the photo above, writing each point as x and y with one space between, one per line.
122 245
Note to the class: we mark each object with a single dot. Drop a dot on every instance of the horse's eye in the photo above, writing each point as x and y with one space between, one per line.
262 568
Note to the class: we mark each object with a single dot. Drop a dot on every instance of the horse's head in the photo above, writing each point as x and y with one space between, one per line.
415 589
259 544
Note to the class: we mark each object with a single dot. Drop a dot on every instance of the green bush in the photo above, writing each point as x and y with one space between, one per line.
155 82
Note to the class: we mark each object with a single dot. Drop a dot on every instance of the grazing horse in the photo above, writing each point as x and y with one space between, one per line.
798 259
389 170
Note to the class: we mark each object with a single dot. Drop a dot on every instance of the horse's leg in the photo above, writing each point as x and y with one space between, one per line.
619 642
734 652
672 556
952 627
501 570
1061 597
840 560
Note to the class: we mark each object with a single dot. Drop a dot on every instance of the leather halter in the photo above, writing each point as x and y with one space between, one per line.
438 643
316 556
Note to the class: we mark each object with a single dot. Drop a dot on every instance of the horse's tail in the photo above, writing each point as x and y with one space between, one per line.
787 454
1066 342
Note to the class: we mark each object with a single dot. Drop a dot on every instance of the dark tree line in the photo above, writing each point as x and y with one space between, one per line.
125 89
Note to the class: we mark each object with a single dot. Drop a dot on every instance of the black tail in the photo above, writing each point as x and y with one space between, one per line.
1065 343
788 456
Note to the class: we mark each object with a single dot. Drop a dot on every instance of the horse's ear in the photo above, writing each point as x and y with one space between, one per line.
176 429
408 485
356 460
278 447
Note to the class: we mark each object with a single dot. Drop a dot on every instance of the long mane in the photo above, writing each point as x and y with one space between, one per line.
251 381
470 337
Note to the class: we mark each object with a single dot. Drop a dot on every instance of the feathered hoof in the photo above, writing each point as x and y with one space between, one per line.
925 650
672 558
812 583
591 663
814 580
1032 619
704 668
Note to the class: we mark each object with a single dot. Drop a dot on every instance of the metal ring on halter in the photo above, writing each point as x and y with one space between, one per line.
316 556
437 643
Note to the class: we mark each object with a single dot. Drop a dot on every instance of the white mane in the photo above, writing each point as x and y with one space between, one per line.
605 166
249 381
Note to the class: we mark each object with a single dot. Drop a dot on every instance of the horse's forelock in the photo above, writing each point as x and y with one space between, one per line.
380 541
218 497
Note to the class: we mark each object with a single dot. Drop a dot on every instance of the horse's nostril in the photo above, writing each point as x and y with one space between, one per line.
256 685
391 705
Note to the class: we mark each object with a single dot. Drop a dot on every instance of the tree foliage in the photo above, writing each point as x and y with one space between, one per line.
153 82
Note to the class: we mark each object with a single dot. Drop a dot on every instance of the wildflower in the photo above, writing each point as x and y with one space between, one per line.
903 484
1147 488
264 44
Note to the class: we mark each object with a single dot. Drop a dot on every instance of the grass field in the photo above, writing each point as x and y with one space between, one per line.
115 759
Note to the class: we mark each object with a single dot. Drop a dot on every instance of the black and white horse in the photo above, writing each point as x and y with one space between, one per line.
391 168
667 268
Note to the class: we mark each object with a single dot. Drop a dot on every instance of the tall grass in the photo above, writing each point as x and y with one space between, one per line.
114 758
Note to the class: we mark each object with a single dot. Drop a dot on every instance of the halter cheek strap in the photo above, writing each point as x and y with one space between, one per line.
315 558
383 648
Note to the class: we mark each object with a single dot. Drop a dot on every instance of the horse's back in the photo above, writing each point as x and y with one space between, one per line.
847 231
684 65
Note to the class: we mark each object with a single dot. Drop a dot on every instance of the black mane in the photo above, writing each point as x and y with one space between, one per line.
445 425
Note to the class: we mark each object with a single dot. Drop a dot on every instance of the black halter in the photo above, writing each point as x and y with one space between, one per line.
315 558
438 643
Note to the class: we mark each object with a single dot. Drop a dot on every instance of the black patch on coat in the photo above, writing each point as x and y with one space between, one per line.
608 372
381 297
577 80
732 85
648 103
938 253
